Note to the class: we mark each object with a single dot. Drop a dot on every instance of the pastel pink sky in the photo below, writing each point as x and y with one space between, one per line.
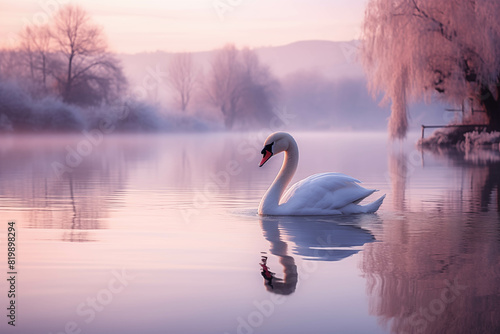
195 25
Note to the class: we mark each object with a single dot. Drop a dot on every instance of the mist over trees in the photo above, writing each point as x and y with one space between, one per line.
417 49
88 74
62 77
67 58
182 77
241 87
321 102
36 48
66 64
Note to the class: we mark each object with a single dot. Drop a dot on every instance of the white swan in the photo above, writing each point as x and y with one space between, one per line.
319 194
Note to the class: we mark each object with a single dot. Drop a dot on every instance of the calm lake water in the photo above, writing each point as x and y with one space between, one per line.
160 234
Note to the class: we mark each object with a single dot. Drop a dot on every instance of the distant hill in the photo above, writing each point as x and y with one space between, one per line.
340 100
333 59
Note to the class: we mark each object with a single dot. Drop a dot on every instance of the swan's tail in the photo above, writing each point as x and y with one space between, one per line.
373 206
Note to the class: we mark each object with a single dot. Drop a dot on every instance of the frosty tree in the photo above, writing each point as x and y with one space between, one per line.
182 76
90 74
36 48
241 87
413 49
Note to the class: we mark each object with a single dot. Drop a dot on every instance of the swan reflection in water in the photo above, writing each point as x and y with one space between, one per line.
313 238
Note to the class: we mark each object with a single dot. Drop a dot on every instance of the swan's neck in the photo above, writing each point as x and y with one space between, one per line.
271 199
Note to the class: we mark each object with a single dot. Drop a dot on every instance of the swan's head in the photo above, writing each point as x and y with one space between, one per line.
274 144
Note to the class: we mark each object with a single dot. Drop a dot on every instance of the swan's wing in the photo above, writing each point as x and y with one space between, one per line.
326 191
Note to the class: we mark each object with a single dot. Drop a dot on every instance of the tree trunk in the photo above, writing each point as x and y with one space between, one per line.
229 120
32 70
228 117
183 102
67 89
44 73
492 109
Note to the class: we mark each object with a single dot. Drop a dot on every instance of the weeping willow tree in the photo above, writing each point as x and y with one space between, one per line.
415 49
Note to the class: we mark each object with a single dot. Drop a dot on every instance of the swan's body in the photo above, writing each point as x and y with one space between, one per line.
319 194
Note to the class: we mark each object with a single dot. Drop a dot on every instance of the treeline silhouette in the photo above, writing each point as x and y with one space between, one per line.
61 76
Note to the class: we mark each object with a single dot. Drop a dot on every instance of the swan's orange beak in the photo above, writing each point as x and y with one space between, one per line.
266 157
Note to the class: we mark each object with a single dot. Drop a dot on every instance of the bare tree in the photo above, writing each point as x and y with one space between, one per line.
225 83
239 86
89 73
182 77
10 65
417 49
36 48
260 90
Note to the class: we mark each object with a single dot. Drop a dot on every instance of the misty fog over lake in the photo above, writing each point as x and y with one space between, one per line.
177 214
